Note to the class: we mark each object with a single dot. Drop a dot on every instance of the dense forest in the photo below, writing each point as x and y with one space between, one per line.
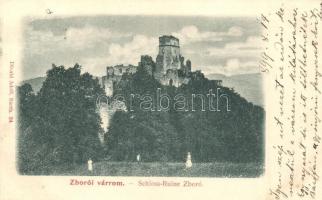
234 136
60 124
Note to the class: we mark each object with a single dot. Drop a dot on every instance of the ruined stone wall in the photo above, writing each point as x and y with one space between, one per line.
147 64
119 70
107 84
114 75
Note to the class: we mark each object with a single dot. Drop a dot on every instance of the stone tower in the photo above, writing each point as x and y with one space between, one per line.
169 55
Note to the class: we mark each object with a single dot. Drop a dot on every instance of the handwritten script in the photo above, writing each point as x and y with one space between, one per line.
292 61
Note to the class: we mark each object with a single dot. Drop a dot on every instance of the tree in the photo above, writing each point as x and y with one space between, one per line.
227 136
65 125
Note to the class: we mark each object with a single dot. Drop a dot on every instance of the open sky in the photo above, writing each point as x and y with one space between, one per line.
214 45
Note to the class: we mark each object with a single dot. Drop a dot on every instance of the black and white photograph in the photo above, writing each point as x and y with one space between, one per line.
170 96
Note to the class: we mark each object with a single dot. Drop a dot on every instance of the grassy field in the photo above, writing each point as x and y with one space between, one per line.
107 168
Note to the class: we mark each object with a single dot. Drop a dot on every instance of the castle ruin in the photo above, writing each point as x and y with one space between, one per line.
169 67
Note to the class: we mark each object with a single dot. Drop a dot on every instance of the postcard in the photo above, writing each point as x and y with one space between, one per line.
161 100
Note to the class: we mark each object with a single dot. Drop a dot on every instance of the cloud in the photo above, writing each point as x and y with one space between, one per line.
89 36
231 67
73 38
128 53
234 31
233 58
131 51
39 42
250 48
234 66
192 34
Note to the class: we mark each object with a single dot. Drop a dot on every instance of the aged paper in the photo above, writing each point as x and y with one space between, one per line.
161 99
